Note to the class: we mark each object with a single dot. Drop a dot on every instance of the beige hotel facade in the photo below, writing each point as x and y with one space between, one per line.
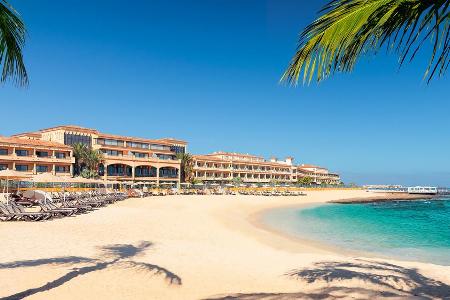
225 167
145 160
124 158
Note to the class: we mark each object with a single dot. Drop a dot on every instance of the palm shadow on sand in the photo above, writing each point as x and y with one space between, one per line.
117 256
383 280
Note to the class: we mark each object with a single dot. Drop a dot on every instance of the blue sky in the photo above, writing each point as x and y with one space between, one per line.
207 72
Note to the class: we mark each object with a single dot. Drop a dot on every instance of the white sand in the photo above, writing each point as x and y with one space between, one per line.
213 244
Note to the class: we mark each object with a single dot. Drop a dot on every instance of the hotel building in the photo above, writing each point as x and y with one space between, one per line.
32 156
319 175
124 158
149 160
222 167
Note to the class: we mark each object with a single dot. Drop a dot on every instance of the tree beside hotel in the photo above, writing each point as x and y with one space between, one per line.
187 167
87 160
237 181
306 180
79 151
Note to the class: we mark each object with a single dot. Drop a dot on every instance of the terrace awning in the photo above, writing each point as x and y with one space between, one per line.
48 178
12 174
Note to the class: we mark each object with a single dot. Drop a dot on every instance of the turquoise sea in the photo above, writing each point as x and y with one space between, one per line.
407 230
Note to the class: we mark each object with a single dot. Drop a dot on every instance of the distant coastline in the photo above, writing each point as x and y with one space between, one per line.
382 197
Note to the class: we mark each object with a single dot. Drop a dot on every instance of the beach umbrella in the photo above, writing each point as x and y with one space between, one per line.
48 177
10 175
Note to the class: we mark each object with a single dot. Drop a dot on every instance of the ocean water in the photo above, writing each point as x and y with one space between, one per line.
407 230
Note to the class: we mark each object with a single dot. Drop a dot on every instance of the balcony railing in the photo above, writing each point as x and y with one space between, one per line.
132 157
36 158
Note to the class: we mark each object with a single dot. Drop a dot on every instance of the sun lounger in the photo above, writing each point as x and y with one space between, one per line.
16 212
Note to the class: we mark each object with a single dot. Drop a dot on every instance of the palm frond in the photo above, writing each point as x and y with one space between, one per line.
349 29
12 41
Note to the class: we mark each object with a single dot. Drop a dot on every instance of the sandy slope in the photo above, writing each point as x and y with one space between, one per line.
194 247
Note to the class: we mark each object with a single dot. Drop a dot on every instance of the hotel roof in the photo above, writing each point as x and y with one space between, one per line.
135 139
304 166
28 134
235 154
173 141
163 141
27 142
70 128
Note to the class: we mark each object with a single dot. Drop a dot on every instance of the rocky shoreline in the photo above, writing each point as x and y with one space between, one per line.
382 197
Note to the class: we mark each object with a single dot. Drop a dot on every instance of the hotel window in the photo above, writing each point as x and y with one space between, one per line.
137 145
178 149
3 167
3 151
170 172
113 143
165 157
41 169
119 170
21 152
112 152
60 155
70 139
22 168
61 169
41 154
140 155
159 147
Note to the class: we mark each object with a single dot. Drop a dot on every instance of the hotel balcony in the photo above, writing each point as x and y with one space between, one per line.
128 157
35 158
215 178
212 168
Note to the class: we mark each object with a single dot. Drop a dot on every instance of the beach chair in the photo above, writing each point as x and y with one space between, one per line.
13 211
48 207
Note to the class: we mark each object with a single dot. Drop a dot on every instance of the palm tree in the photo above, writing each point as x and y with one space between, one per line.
306 180
347 29
79 152
236 181
12 40
87 160
93 158
187 167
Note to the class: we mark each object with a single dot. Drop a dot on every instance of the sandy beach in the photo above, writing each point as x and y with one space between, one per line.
197 247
